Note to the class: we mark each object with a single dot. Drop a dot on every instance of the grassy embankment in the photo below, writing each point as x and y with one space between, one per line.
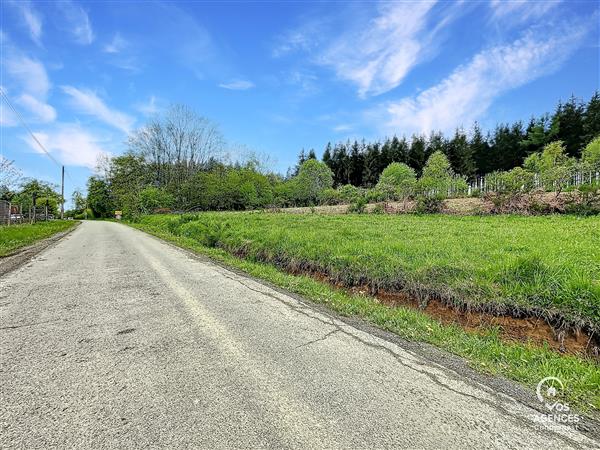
14 237
548 266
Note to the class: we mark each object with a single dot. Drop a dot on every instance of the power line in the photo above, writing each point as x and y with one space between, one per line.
20 117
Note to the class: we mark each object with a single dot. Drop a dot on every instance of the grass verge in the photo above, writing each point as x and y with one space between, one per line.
485 351
14 237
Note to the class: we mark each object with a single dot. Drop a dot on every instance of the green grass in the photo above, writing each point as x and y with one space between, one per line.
14 237
353 245
549 265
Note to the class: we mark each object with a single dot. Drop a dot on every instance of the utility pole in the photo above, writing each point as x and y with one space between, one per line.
62 194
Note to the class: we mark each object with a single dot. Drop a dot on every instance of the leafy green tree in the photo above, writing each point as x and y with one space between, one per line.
313 178
591 155
437 175
152 198
43 190
99 197
553 166
397 181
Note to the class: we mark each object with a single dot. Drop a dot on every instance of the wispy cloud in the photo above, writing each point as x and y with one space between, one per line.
29 73
70 144
87 102
379 48
31 19
467 93
116 45
77 22
43 111
150 107
32 80
237 85
519 11
342 128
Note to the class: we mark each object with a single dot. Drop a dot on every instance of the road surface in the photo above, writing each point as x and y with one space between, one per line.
114 339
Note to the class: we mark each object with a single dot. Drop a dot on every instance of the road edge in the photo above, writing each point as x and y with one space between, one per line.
23 255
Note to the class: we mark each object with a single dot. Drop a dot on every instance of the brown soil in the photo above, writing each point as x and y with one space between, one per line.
531 329
511 329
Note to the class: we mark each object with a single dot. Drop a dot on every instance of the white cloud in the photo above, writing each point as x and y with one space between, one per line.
150 107
69 144
43 111
88 102
117 45
29 73
342 128
374 50
237 85
77 22
519 11
467 93
31 18
379 58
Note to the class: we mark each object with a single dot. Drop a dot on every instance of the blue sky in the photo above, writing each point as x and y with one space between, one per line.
279 77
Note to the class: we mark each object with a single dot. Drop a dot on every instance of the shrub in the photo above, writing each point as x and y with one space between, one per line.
585 201
330 196
379 208
397 181
359 206
429 204
349 193
437 176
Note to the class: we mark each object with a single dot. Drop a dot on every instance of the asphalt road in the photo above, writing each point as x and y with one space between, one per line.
114 339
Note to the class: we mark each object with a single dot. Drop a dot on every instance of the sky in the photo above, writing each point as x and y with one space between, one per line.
277 77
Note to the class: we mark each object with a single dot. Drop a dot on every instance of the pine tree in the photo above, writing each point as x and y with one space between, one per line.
591 121
416 154
372 162
480 150
460 155
570 120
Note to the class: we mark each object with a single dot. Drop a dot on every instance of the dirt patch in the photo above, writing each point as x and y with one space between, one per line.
535 330
530 329
15 260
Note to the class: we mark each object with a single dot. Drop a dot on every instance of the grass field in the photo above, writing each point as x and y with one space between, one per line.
14 237
545 265
550 263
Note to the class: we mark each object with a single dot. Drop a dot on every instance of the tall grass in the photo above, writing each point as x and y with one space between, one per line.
13 237
548 266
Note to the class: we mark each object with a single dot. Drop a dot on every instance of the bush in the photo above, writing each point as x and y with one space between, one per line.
429 205
349 193
330 196
379 208
359 206
437 176
585 201
397 181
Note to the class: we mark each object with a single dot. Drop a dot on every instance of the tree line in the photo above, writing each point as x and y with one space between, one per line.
360 164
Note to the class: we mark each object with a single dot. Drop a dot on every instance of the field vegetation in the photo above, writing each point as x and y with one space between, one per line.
13 237
548 266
